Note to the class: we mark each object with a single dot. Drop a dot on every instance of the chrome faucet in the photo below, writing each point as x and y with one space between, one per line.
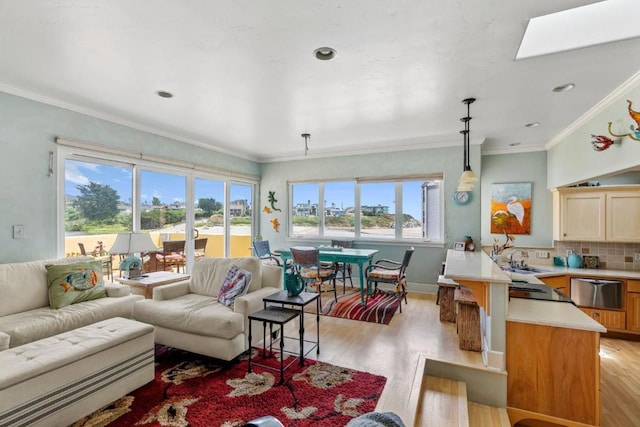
512 263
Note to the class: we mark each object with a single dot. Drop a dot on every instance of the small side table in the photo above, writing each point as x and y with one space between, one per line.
300 301
278 316
145 284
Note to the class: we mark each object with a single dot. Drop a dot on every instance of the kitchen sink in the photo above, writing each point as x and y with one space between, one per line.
525 270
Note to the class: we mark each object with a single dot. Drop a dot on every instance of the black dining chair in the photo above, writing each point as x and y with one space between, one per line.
263 251
306 264
344 268
390 271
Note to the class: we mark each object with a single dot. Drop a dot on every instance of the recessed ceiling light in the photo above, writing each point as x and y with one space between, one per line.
164 94
564 88
532 124
514 144
325 53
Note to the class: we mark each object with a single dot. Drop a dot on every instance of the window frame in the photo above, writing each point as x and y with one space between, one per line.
398 211
102 155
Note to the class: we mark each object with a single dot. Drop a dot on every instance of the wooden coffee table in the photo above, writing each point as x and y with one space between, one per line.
145 284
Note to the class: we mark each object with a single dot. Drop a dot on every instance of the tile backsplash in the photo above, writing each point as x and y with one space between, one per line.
612 256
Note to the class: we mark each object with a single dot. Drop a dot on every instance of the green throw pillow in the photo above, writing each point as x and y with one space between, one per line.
72 283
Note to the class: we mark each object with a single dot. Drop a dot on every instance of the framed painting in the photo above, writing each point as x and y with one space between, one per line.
511 208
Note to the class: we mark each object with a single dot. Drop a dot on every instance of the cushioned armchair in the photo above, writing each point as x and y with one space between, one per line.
190 315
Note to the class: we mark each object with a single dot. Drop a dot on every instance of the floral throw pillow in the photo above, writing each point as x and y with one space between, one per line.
235 284
72 283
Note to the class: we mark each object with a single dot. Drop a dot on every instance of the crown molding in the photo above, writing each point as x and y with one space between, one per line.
606 102
117 120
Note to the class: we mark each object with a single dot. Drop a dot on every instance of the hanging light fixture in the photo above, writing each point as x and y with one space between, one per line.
468 178
306 137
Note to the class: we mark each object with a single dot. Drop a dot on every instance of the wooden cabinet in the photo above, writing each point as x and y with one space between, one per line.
597 214
561 283
610 319
582 216
623 216
554 374
633 305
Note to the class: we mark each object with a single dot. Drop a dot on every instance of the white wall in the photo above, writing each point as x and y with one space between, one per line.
573 159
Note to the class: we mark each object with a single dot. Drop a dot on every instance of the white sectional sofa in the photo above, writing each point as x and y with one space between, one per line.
25 315
188 315
57 380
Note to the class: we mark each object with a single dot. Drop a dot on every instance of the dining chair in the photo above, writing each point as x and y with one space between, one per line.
263 251
344 268
107 260
306 264
390 271
200 246
172 255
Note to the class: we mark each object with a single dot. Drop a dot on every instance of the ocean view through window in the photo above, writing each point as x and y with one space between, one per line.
398 208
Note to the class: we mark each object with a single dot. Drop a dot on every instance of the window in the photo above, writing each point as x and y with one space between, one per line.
398 208
104 193
304 210
339 211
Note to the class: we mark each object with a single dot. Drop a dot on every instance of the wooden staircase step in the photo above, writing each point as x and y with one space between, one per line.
443 403
487 416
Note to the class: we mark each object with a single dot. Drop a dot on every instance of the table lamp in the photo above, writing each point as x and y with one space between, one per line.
131 243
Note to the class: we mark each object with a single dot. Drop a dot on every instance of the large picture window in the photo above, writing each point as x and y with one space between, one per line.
398 208
104 194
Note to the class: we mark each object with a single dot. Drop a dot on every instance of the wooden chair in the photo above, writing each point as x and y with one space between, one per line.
306 264
107 260
200 245
172 255
390 271
341 267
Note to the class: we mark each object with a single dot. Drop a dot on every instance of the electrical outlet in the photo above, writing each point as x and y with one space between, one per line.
543 254
636 256
18 231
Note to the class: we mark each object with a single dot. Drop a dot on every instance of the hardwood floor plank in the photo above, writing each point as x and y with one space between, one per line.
393 351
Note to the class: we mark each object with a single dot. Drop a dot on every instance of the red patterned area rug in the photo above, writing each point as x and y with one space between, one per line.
193 390
379 309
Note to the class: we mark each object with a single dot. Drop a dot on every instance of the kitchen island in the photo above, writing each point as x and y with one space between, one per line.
550 349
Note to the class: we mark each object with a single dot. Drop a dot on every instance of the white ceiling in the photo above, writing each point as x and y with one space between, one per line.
245 80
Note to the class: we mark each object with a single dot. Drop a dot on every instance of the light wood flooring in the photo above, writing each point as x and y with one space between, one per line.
392 351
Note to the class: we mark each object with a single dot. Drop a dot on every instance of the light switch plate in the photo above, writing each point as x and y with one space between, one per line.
18 231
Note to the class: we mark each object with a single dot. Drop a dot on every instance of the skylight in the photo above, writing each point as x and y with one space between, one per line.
594 24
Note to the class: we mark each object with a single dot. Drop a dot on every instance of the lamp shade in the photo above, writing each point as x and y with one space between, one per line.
468 176
128 243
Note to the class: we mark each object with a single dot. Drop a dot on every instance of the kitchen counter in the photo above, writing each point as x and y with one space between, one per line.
585 272
551 313
477 266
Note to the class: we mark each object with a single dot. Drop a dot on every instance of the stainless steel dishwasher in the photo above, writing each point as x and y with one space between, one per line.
597 293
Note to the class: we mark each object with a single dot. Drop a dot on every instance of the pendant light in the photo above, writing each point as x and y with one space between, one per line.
306 137
468 178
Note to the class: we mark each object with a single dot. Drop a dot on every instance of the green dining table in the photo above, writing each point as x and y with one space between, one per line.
346 255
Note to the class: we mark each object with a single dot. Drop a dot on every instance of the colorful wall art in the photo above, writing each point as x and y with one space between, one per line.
511 208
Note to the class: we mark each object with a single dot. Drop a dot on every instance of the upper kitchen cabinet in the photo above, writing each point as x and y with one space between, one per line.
597 214
623 216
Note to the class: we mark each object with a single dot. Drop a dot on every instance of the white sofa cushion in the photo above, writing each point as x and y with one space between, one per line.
208 274
24 285
29 360
192 313
43 322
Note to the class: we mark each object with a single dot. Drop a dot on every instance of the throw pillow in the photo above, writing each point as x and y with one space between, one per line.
72 283
235 284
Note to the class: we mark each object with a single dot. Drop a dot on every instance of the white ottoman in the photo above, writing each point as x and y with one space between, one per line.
58 380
